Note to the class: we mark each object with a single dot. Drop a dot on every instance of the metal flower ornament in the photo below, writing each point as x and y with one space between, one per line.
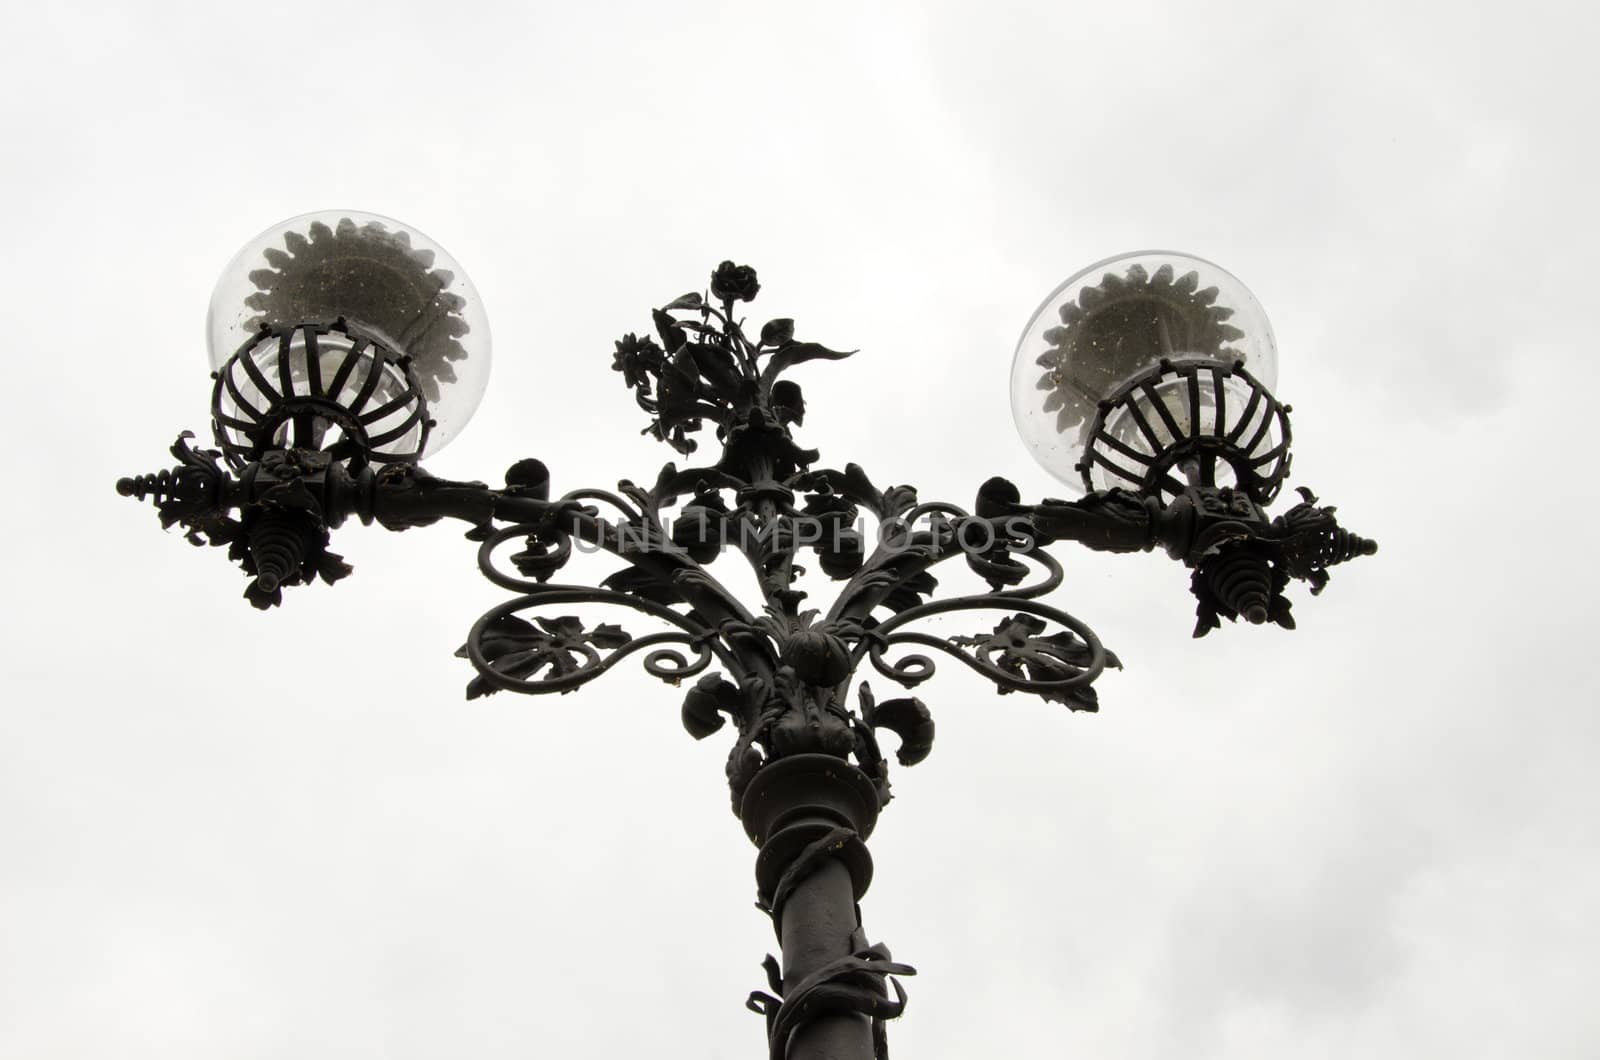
1134 383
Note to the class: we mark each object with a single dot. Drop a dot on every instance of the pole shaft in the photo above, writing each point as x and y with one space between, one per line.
819 925
810 814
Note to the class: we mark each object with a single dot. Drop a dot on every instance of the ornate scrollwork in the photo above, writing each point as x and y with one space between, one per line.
1017 655
1055 666
785 671
559 654
519 650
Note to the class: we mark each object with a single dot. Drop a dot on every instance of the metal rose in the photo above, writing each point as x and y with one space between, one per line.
734 283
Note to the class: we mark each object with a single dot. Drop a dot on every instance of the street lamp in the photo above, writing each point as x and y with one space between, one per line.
345 347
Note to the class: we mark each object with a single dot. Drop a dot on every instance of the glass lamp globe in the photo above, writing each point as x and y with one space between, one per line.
1152 339
345 325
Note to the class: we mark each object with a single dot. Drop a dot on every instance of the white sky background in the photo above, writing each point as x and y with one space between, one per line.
244 835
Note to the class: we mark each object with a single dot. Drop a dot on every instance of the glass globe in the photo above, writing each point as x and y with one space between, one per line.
1115 322
401 297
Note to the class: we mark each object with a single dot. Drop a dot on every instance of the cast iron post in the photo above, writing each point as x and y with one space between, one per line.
810 815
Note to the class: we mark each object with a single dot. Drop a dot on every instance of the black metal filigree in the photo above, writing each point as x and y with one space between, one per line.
1018 646
559 647
1207 422
324 386
281 536
1243 563
194 494
1017 655
559 654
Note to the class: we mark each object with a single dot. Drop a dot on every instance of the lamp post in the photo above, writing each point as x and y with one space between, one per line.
347 347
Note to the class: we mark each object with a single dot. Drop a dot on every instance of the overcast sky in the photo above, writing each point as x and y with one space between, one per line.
287 835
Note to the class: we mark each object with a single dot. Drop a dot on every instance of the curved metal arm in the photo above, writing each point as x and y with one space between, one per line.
200 494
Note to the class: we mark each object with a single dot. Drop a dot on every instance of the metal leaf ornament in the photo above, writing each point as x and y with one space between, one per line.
1124 323
372 276
1017 647
558 647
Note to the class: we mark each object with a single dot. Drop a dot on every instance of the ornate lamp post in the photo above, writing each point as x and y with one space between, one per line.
346 347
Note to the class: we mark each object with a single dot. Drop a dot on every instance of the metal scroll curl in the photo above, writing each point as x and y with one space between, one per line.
605 496
548 541
1018 655
658 569
561 653
554 544
994 550
1052 574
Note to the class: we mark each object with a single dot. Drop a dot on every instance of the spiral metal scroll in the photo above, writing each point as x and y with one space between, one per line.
500 644
1053 573
1017 656
558 654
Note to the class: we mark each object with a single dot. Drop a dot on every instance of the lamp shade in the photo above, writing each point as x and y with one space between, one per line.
347 328
1139 354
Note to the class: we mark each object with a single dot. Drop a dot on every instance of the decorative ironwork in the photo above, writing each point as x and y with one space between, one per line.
811 815
511 653
1243 563
705 368
196 493
1173 423
784 671
787 668
852 984
331 387
281 537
